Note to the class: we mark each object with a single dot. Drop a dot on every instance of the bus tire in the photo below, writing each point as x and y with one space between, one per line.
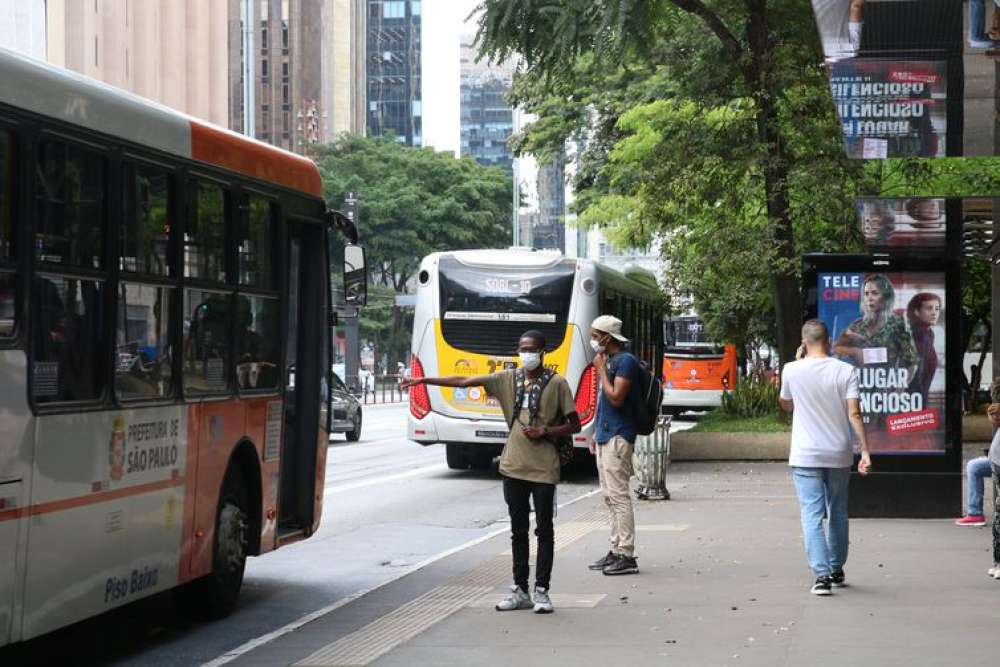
215 594
456 457
481 459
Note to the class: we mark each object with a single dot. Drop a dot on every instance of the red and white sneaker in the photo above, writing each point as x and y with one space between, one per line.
971 520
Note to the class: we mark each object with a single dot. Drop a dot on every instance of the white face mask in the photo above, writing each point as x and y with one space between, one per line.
597 347
530 360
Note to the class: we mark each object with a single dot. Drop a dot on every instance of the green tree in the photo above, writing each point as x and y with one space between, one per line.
726 120
413 202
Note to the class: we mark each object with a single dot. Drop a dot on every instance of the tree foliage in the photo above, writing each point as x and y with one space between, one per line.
415 201
705 124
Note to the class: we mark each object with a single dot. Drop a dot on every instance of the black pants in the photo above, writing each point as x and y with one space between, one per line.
517 493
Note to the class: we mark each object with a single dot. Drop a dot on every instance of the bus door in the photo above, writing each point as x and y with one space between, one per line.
304 371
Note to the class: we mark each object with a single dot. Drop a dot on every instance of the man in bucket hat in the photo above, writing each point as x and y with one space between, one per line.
614 439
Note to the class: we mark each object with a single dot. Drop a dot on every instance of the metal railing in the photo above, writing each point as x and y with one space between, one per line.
382 389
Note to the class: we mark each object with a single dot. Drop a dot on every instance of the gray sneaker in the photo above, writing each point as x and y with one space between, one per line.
518 599
543 603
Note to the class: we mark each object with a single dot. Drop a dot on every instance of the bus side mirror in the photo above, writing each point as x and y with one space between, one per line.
355 276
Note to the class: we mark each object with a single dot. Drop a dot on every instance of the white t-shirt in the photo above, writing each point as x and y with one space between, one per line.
821 430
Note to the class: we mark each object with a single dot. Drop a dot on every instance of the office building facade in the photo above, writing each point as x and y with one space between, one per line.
487 119
307 61
394 70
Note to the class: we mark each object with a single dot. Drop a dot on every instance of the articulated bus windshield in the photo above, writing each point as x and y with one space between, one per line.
487 309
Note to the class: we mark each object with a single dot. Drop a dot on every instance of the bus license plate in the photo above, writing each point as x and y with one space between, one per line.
491 434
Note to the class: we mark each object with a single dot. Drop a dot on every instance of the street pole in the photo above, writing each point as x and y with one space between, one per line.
352 326
249 56
517 186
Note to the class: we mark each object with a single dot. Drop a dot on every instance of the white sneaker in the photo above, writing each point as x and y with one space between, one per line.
543 603
518 599
994 571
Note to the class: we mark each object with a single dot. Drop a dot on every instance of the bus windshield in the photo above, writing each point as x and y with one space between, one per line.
469 293
510 300
687 335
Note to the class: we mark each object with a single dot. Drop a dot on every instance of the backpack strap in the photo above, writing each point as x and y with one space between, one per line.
518 396
535 397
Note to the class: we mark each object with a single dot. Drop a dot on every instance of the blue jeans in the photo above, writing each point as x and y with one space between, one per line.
977 19
978 471
823 491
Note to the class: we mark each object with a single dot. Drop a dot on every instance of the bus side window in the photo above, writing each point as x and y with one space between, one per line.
143 353
206 353
258 337
68 339
204 236
70 343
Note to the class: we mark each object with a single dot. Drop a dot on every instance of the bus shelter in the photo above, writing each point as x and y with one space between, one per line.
909 78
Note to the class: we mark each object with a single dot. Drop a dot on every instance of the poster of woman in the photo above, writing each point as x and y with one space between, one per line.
887 325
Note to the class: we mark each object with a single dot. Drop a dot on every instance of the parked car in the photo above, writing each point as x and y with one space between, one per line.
345 410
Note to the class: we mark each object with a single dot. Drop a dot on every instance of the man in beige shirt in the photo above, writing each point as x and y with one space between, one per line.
530 460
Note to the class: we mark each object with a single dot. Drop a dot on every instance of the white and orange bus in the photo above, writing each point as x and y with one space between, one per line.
164 297
696 371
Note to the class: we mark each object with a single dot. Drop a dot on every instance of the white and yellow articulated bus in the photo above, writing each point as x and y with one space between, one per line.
472 307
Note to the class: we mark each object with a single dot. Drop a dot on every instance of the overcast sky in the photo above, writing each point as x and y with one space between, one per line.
441 33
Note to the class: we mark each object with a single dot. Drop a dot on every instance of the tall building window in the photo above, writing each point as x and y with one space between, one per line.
263 37
264 72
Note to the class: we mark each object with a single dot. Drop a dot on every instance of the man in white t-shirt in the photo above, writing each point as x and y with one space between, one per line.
823 392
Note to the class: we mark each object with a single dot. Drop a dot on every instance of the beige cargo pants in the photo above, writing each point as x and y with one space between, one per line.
614 469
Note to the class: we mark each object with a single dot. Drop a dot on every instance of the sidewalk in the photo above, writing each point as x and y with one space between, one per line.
723 582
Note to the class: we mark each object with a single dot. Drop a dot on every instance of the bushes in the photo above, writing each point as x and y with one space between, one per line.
756 395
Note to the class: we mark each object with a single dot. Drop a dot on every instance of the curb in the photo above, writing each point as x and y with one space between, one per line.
686 446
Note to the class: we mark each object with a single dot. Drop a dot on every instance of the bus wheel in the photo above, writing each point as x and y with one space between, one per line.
481 460
214 595
455 456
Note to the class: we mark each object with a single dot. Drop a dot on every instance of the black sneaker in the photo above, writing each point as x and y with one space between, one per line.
622 565
838 579
822 586
604 562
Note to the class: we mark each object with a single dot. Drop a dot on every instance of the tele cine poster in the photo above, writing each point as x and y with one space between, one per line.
890 326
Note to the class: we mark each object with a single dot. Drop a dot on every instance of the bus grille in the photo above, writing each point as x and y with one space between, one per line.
498 338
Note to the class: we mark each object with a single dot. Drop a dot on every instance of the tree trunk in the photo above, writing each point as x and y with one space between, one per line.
785 286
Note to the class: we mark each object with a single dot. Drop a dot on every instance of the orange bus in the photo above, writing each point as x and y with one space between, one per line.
161 282
696 371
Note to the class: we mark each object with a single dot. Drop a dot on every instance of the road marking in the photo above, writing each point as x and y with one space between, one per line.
257 642
416 472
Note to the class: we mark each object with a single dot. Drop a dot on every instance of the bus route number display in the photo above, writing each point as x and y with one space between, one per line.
507 286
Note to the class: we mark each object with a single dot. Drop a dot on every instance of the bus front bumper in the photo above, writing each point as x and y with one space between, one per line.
692 398
435 428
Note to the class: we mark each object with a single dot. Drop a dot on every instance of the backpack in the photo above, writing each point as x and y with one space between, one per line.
648 401
564 443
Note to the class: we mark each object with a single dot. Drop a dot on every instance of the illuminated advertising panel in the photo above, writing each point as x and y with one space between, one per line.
890 326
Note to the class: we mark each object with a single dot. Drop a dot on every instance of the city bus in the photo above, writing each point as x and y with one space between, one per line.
161 280
472 307
696 370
